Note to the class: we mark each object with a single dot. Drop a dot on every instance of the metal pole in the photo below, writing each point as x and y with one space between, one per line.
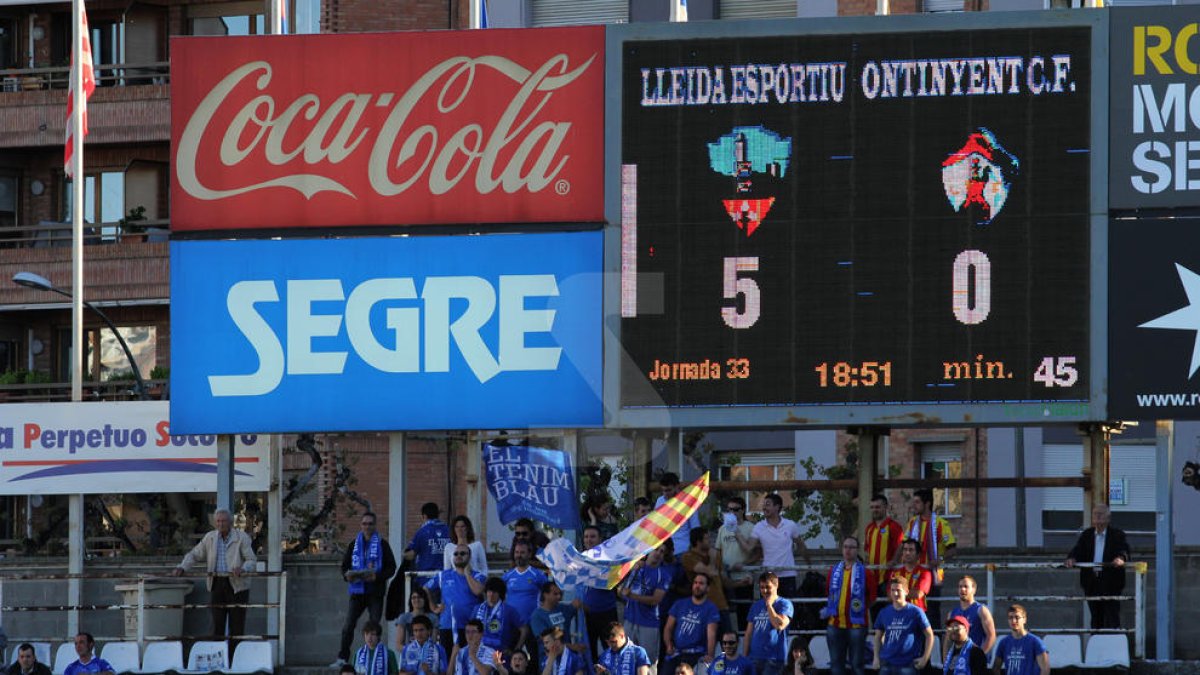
75 550
1019 454
141 613
275 616
282 613
397 488
991 587
1139 621
225 472
1164 540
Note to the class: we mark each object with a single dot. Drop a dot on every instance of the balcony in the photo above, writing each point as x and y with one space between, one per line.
131 104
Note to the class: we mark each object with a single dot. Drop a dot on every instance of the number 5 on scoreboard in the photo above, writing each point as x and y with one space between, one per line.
744 286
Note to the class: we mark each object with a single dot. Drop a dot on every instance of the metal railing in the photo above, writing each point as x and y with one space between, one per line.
987 594
107 75
140 606
112 390
53 234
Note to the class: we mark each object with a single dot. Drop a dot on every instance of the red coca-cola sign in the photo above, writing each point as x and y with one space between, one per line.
485 126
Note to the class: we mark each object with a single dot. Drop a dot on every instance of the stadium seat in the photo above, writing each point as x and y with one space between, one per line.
209 655
40 649
63 657
1065 651
161 657
122 656
935 657
253 656
818 649
1106 651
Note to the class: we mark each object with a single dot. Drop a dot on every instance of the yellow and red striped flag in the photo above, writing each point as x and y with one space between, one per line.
605 565
89 86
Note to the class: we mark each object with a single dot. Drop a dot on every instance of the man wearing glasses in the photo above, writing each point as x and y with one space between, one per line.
738 583
458 592
622 656
729 662
366 567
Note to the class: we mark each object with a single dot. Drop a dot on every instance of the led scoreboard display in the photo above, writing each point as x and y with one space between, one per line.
855 220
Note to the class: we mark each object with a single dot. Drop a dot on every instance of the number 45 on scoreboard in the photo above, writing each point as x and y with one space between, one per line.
1057 371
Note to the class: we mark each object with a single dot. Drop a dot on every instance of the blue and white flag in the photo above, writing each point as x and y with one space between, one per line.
532 483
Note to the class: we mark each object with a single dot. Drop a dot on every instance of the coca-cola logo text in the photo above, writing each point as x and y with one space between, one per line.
308 138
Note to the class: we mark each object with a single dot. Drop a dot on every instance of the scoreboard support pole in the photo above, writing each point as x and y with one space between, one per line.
868 452
1095 464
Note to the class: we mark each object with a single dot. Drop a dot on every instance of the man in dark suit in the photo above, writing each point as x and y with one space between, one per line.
1109 580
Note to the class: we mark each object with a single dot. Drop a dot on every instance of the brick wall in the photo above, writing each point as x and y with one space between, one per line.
357 16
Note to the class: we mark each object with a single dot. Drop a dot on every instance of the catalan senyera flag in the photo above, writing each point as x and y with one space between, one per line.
89 86
605 565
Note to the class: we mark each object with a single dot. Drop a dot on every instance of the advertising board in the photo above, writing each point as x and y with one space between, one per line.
867 227
1154 107
495 126
116 448
386 334
1154 319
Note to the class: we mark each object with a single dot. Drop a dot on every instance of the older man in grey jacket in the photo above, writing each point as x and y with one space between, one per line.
228 555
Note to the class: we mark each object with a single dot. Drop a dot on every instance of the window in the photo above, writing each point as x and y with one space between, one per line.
233 18
304 17
112 363
8 205
8 355
103 194
943 460
8 43
762 466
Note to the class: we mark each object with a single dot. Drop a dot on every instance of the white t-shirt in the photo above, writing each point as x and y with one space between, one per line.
731 551
777 545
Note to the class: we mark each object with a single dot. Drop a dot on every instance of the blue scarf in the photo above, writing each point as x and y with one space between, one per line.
373 561
960 664
858 592
372 662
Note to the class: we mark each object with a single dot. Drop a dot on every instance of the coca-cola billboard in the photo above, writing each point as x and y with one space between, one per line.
487 126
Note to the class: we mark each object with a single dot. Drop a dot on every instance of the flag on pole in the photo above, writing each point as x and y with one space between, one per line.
605 565
678 10
281 10
478 14
89 86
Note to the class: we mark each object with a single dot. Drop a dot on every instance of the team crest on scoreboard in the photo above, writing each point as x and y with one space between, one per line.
980 174
742 154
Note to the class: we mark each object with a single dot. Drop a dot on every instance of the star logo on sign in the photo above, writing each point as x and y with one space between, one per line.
1184 318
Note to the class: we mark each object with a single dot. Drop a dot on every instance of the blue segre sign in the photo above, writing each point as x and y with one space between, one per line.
386 334
532 483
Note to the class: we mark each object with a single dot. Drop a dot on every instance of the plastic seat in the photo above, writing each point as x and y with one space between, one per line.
161 657
41 651
63 657
1106 651
122 656
1065 651
209 655
935 657
818 649
252 656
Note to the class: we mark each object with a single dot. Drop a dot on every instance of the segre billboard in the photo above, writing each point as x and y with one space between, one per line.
98 448
377 334
495 126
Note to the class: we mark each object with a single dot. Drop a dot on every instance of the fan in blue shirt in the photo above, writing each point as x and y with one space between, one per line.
459 593
1021 653
903 636
426 547
622 656
729 663
691 631
87 662
501 623
423 655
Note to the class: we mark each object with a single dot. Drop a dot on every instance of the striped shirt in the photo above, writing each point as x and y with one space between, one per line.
221 567
882 541
842 618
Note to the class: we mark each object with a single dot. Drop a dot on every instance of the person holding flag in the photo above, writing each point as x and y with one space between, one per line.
851 587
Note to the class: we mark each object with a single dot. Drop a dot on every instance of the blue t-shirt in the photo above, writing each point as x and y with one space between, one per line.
646 580
766 642
559 617
1019 656
971 613
626 660
524 588
691 625
415 653
723 665
456 596
596 599
903 634
569 663
500 624
94 666
428 543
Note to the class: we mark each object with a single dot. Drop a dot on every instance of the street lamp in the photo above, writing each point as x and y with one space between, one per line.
38 282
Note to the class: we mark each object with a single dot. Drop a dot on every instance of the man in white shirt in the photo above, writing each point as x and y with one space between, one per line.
775 535
739 584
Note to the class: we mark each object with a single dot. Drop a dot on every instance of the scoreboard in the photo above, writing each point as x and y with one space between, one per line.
858 227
